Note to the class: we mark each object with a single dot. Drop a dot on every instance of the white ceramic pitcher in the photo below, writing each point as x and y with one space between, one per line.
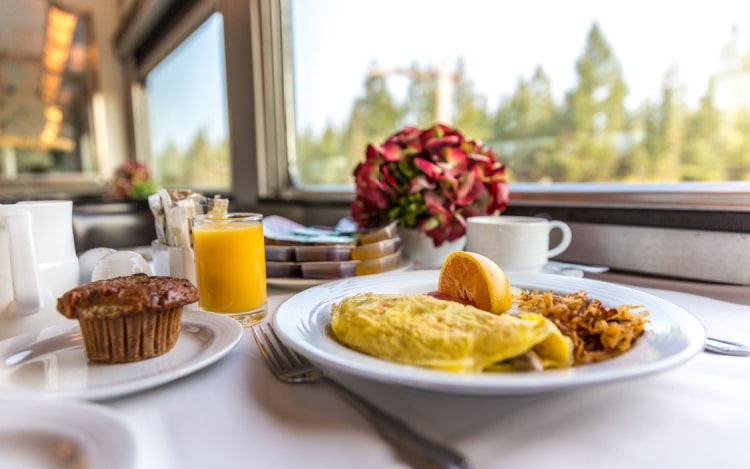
38 263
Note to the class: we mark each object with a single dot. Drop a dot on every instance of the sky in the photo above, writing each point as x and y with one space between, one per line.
336 41
187 91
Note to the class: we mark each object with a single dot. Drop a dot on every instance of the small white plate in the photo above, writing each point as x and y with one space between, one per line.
52 363
303 283
72 435
672 337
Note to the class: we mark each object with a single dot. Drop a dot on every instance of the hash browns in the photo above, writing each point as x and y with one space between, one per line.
598 332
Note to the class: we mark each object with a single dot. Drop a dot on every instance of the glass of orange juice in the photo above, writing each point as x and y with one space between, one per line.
230 265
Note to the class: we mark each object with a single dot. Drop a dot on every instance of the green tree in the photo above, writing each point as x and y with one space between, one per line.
305 147
325 161
355 139
536 112
170 166
374 116
701 158
595 111
597 104
503 125
666 163
636 166
470 108
377 111
208 165
733 141
527 123
421 97
738 155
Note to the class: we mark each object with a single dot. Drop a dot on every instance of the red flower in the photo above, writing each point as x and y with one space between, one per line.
431 179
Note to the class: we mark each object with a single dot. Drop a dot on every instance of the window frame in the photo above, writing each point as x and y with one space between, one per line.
691 197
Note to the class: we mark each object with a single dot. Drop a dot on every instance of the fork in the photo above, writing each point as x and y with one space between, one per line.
417 450
726 347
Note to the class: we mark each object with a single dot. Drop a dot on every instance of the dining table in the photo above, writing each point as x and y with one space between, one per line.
235 414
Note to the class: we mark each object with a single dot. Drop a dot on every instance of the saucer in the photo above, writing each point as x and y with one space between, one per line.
50 435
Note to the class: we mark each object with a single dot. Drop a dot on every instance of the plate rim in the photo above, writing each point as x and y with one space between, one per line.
296 283
227 331
64 418
290 282
473 384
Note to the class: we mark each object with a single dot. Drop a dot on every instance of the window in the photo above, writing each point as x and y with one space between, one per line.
47 77
187 112
574 92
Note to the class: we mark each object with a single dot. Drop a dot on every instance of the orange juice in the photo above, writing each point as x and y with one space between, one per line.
230 263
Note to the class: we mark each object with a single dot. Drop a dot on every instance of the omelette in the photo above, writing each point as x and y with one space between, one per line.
428 332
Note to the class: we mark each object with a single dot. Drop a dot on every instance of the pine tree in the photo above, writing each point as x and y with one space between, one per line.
527 123
596 111
738 154
700 158
324 159
208 167
470 115
170 166
422 98
380 114
666 164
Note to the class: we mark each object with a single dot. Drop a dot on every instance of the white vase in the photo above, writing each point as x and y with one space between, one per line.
419 248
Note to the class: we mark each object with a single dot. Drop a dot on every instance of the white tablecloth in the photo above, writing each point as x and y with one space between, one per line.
234 414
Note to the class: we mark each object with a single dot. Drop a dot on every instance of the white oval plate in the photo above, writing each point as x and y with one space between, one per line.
52 363
672 337
35 435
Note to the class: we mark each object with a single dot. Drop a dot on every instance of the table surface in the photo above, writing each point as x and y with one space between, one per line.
234 414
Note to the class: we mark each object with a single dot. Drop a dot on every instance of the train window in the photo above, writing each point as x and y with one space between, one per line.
186 103
47 83
566 92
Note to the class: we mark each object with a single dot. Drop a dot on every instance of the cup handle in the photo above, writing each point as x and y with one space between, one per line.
567 237
24 272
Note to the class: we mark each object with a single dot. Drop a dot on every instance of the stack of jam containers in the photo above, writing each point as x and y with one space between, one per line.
315 253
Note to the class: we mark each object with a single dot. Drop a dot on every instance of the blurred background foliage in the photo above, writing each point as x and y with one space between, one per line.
588 136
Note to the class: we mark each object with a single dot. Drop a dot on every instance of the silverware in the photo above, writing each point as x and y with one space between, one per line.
557 266
726 347
417 450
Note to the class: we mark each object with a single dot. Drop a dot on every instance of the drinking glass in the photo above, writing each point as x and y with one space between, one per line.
230 265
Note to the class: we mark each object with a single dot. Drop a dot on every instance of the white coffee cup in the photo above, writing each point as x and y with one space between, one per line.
516 243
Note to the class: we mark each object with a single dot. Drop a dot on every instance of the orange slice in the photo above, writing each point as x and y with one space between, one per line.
476 279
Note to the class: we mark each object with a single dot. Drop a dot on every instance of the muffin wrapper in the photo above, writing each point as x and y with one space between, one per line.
132 338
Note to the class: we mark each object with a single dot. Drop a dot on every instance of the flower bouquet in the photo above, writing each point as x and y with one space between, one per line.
132 180
429 179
